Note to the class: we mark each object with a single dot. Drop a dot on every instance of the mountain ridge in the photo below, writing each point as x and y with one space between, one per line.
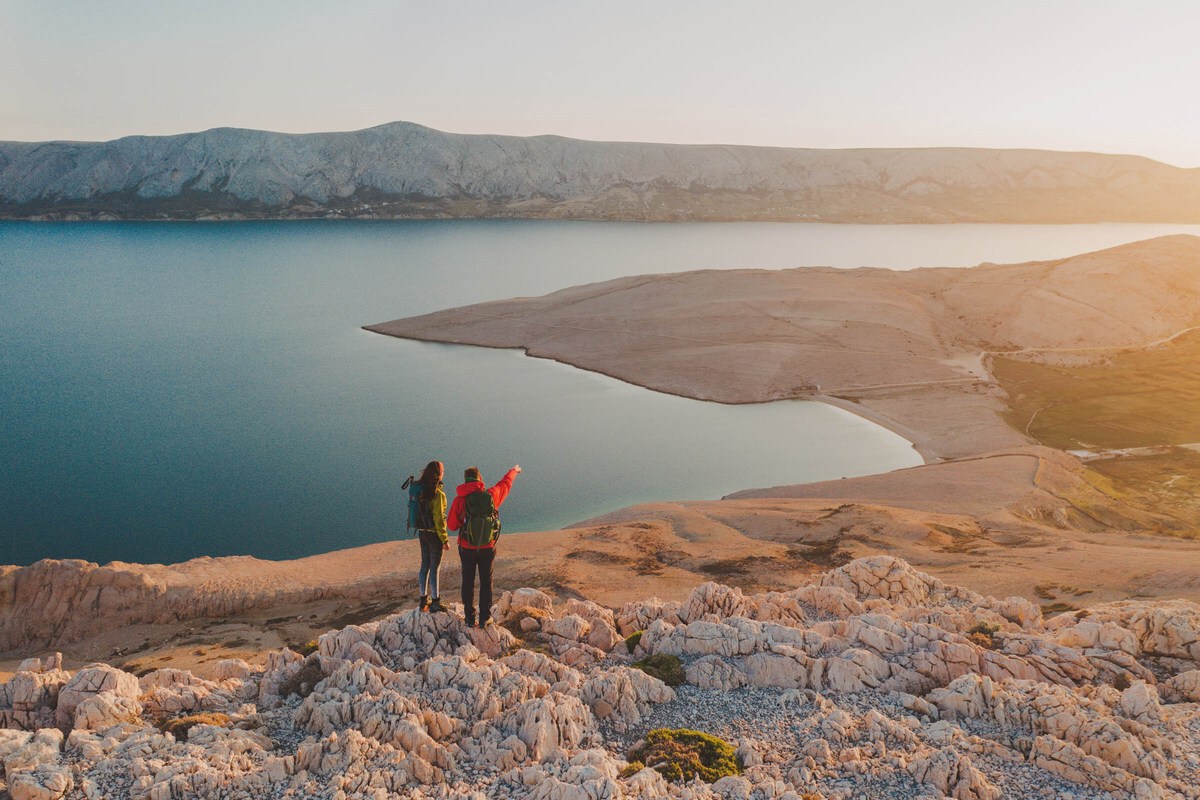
406 170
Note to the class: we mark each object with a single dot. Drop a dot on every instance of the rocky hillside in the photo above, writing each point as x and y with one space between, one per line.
406 170
871 680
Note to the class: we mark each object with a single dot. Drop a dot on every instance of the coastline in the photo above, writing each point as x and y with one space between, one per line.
919 441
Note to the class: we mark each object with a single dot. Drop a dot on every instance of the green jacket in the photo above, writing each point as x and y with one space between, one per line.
438 506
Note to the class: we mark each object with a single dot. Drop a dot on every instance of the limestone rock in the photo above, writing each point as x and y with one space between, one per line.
953 775
94 680
34 698
715 599
24 754
46 782
639 615
1140 702
1182 688
102 711
865 681
623 695
714 672
173 691
512 604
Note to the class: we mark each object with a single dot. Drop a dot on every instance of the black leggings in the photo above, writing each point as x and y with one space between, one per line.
482 560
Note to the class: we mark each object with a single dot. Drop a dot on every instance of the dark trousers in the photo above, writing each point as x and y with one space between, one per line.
481 560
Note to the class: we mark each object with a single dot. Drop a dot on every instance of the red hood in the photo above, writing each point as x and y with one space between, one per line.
465 489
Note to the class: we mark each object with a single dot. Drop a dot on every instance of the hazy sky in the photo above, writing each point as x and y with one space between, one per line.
1095 75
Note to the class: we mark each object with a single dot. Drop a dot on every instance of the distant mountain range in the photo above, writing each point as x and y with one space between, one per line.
403 170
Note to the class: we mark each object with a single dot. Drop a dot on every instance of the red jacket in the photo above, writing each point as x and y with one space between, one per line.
454 519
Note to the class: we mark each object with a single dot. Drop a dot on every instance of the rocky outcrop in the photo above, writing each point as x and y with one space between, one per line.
401 170
54 602
864 682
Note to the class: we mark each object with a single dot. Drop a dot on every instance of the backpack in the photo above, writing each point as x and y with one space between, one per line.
481 520
420 513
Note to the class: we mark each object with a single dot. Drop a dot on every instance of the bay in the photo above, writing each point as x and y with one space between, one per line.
176 390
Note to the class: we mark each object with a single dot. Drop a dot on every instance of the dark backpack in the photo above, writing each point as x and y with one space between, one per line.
420 512
481 521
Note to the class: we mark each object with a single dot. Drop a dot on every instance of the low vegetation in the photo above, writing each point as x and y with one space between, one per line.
306 649
179 726
632 641
983 635
1132 398
667 668
304 681
1161 483
516 623
681 755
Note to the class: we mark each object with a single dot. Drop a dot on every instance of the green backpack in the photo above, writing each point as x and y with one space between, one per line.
481 520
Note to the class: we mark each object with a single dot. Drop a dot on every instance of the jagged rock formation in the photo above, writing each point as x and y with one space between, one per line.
406 170
871 680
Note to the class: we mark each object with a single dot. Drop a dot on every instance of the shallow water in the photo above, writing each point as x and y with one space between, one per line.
174 390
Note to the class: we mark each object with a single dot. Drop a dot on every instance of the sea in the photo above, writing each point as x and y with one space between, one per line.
178 390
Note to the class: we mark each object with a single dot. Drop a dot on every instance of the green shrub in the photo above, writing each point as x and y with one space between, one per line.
667 669
982 635
631 641
681 755
306 649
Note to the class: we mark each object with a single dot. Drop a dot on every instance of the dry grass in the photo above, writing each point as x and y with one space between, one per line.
180 726
1134 398
1162 483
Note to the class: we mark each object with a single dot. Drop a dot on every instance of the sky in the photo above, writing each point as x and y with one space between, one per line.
1102 76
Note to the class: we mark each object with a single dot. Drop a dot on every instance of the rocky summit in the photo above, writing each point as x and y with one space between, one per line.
871 680
401 170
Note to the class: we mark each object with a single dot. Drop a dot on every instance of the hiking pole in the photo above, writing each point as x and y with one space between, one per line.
407 517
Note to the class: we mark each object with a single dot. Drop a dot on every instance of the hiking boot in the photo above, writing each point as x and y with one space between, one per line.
487 623
424 602
436 606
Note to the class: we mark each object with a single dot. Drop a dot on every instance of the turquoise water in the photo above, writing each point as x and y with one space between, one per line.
177 390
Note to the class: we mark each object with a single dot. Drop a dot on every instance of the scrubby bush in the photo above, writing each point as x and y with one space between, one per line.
304 681
179 726
632 640
667 669
982 635
306 649
681 755
513 623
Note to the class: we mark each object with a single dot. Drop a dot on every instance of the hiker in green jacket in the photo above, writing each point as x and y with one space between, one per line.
427 513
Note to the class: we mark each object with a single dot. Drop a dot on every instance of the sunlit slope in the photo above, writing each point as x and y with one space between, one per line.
755 335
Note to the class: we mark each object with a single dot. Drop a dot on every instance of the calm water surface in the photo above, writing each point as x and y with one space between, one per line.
176 390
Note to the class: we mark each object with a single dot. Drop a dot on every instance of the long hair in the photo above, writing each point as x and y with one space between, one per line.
429 479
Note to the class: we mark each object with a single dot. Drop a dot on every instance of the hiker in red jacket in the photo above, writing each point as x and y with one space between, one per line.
474 514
